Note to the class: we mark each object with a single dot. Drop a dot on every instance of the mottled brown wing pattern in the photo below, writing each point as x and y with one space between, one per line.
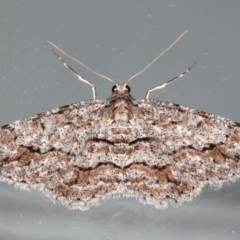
155 151
40 151
183 150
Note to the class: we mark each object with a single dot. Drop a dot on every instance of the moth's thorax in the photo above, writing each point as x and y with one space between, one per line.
121 109
119 116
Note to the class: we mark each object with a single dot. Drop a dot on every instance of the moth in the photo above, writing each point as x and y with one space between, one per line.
83 153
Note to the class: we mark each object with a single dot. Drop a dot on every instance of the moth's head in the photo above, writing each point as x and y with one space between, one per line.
121 88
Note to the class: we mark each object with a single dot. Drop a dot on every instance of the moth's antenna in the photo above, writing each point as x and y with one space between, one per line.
158 56
170 81
88 68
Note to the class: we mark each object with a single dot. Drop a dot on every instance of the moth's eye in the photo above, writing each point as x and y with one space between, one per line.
128 89
114 88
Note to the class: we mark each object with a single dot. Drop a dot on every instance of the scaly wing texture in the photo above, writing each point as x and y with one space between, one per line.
180 150
46 151
84 152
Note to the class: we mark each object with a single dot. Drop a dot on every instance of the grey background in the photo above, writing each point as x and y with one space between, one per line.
117 39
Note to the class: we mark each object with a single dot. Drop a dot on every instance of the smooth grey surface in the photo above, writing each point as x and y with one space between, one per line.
117 39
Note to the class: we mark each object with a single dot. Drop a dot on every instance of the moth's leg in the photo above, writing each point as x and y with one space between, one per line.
166 83
76 74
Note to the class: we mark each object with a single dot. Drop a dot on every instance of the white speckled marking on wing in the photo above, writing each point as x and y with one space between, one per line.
153 150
